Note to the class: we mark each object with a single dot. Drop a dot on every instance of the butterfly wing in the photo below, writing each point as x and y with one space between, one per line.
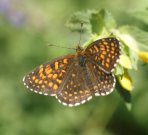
75 91
47 78
105 53
102 83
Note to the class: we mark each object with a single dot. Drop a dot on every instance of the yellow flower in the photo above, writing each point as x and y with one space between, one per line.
126 81
143 56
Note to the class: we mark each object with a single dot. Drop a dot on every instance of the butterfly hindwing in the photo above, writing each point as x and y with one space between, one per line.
75 91
102 83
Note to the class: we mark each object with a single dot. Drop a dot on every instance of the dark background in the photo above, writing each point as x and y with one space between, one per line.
26 29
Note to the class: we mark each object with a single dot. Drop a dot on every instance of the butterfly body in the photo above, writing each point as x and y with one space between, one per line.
75 78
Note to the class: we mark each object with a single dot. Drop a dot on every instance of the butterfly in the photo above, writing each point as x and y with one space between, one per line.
74 78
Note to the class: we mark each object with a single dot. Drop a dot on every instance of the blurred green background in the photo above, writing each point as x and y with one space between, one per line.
26 29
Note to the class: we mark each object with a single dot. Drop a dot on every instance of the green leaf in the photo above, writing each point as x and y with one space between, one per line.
94 21
119 70
108 19
141 15
139 36
102 20
73 23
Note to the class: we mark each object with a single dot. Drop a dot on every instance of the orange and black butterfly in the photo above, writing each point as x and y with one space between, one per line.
73 79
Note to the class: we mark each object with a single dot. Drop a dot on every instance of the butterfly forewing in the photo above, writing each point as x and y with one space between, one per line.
47 78
104 52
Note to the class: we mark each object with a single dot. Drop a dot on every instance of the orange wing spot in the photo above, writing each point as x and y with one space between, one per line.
112 52
103 62
50 84
56 65
54 76
99 58
41 75
109 55
106 82
70 95
41 70
61 65
104 52
102 48
116 54
33 77
45 82
67 86
108 60
107 46
36 80
96 48
65 98
95 87
71 82
113 48
105 43
81 91
75 93
48 70
112 44
55 86
113 57
86 91
59 81
43 86
70 99
107 65
107 50
50 75
60 74
66 92
63 71
96 57
73 75
102 56
76 97
41 81
65 61
90 50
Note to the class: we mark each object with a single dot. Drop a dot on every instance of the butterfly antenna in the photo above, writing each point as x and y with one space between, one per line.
80 34
61 47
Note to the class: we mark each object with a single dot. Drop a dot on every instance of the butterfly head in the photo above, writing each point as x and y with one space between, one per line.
79 49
